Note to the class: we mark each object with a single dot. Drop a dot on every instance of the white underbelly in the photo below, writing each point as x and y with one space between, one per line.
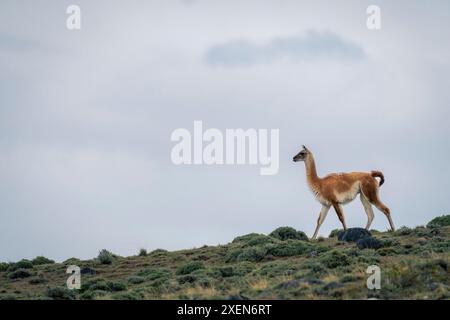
347 196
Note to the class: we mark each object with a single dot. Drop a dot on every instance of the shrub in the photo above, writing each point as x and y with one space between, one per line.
277 268
136 279
93 284
403 231
285 233
4 266
334 259
40 260
105 257
442 221
60 294
368 256
155 273
72 261
37 280
225 271
349 278
253 254
188 278
20 274
22 264
289 248
334 233
190 267
253 239
158 252
315 268
243 268
133 295
116 286
142 252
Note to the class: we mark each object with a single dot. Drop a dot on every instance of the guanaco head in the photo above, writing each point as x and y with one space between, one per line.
302 155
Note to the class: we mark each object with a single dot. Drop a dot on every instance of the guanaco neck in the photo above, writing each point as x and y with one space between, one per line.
311 173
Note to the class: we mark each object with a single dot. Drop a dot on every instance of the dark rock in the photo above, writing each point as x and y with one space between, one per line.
369 243
353 234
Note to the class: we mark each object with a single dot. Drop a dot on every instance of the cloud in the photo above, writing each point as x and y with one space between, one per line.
312 46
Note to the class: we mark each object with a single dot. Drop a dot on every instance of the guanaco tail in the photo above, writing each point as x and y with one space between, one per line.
337 189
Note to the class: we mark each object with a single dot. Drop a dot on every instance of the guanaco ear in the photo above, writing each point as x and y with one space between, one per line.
304 148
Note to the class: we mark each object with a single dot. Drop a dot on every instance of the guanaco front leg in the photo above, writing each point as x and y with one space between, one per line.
323 214
338 208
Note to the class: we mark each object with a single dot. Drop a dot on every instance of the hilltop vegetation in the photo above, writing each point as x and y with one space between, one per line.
283 265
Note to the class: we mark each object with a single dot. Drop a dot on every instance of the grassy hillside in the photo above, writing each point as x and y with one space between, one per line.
283 265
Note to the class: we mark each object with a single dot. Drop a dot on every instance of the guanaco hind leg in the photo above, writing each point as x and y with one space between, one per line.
370 191
368 209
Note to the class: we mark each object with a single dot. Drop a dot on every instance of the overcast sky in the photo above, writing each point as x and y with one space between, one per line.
86 118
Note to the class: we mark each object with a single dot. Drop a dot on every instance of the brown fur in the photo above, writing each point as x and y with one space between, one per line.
337 189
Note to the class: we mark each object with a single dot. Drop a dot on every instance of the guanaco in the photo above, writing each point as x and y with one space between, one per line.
337 189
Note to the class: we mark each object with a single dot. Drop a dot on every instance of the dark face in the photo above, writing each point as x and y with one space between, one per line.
301 156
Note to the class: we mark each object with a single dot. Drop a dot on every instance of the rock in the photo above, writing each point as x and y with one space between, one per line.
353 234
369 243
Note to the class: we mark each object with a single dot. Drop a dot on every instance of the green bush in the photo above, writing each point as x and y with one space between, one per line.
158 252
225 271
243 268
72 261
442 221
315 268
188 278
136 279
37 280
334 233
4 266
116 286
155 273
105 257
94 286
367 256
190 267
286 233
41 260
22 264
20 274
133 295
334 259
403 231
253 254
60 294
142 252
253 239
277 268
289 248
